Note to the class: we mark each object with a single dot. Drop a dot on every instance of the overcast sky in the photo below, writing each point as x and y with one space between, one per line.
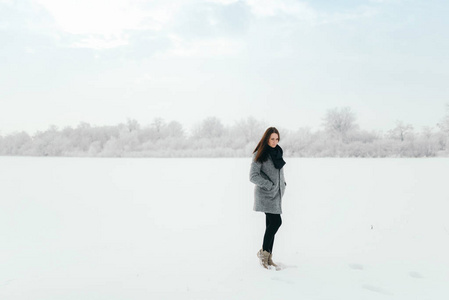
283 61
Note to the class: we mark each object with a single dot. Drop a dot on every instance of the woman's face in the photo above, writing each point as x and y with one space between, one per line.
274 140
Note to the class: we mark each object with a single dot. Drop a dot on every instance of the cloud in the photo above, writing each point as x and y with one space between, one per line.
100 42
190 26
202 48
212 20
224 2
266 8
103 23
302 11
385 1
339 17
105 17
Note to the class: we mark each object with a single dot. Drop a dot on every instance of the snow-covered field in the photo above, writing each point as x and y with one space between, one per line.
100 228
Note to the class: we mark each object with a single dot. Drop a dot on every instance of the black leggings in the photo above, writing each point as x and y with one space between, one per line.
273 222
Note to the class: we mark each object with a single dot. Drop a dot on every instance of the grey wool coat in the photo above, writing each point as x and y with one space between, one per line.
269 186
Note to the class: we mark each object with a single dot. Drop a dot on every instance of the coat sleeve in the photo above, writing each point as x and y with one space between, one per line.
256 178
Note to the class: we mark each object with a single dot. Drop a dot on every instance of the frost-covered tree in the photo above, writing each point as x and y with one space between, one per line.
212 139
15 144
363 136
132 125
250 129
444 127
298 142
210 127
401 131
339 122
173 129
427 132
48 143
427 143
81 137
158 124
444 123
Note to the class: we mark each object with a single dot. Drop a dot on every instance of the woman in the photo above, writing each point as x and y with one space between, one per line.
267 173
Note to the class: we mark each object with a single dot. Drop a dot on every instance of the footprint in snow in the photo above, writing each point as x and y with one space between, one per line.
415 275
7 282
376 289
282 280
356 266
282 266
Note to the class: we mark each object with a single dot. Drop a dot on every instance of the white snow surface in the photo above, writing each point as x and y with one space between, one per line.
146 228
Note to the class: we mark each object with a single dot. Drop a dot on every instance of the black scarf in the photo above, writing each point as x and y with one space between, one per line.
276 156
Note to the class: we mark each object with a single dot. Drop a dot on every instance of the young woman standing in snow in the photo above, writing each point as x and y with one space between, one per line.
267 174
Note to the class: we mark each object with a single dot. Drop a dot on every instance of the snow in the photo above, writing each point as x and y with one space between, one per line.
108 228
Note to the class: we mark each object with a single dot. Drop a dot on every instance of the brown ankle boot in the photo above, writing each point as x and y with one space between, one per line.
263 256
270 261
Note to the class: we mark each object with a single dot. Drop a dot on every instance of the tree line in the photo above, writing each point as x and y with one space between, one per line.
340 136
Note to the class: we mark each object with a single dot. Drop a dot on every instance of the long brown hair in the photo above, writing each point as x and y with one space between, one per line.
262 147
